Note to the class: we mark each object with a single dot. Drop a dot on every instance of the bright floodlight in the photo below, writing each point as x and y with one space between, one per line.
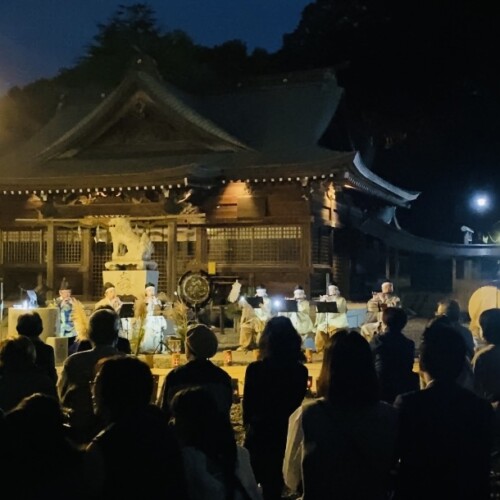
480 202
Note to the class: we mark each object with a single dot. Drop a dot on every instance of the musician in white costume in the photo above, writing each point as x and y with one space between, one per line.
148 309
301 319
327 323
253 320
110 298
376 306
264 310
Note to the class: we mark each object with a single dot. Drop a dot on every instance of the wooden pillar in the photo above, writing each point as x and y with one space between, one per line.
172 259
201 245
388 263
468 274
305 256
51 233
396 269
1 248
85 267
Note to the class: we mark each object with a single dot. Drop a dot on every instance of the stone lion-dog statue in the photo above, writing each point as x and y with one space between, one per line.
129 249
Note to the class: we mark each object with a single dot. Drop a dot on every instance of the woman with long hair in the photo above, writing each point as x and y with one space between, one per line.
275 385
217 468
342 445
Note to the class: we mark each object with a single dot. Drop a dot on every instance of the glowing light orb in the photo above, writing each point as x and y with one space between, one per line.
480 202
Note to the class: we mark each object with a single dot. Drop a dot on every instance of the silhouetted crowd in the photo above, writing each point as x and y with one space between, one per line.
377 429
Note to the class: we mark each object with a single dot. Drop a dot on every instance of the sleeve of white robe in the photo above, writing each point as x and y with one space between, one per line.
292 463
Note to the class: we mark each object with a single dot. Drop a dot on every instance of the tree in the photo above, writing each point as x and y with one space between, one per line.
131 31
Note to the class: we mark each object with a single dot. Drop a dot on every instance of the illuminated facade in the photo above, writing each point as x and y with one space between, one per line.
249 180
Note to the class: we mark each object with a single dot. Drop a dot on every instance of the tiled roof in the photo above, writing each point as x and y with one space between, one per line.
250 133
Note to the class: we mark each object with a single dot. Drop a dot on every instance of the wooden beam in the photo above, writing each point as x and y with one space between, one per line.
94 221
50 256
86 262
172 258
201 245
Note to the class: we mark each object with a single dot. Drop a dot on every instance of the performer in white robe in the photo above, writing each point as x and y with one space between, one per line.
253 320
327 323
148 310
301 319
110 298
375 306
263 312
248 320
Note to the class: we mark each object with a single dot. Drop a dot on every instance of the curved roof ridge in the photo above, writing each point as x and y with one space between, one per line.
404 240
364 171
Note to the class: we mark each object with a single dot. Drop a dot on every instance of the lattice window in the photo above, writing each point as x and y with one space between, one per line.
68 247
321 243
254 244
26 247
186 251
101 254
160 257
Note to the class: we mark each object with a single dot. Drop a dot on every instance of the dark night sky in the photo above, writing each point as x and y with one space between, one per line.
37 37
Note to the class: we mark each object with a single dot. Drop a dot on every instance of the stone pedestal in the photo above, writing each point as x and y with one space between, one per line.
49 315
131 282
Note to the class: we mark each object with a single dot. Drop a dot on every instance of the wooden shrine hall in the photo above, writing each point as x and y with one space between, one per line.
252 180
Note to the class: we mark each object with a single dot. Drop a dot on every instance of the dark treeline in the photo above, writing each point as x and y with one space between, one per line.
131 32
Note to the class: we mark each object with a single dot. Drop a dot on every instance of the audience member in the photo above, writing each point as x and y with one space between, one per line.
342 445
275 387
486 362
40 461
83 343
394 356
78 372
137 439
201 344
445 430
19 375
466 376
451 309
30 325
217 469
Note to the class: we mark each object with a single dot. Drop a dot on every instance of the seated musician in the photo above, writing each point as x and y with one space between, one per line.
327 323
375 307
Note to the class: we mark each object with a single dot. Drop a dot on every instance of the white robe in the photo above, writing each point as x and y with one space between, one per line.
301 319
329 322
